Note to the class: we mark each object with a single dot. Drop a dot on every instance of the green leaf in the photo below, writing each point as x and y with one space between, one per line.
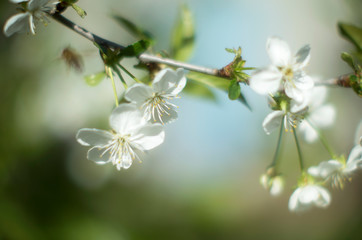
211 81
79 10
95 79
234 90
199 90
133 28
215 82
135 49
349 60
352 33
183 36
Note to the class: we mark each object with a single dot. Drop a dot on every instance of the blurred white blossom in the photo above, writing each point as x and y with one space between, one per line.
275 185
319 115
286 72
130 132
308 196
153 100
339 170
291 118
34 11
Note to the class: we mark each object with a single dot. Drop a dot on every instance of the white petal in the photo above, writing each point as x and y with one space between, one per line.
323 116
324 198
310 135
272 121
93 137
303 81
293 200
37 4
325 169
308 195
180 82
170 117
99 155
279 52
266 81
355 154
18 1
302 57
148 137
138 93
164 80
126 118
126 161
316 96
17 23
277 186
293 92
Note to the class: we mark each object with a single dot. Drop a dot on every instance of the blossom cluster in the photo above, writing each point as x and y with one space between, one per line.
137 126
298 104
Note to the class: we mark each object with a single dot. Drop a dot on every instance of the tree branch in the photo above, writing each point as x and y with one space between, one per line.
145 57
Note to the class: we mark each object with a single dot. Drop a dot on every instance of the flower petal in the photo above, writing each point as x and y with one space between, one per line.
324 198
94 137
99 155
148 137
18 23
302 57
180 82
18 1
164 80
325 169
310 135
293 92
293 200
302 81
266 81
323 116
279 52
355 154
138 93
34 5
126 119
272 121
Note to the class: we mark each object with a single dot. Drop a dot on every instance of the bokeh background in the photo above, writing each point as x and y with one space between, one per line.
203 182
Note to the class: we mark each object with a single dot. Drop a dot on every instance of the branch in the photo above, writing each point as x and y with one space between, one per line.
147 58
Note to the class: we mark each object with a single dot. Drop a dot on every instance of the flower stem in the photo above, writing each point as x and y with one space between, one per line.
120 77
110 74
128 73
301 164
323 141
277 151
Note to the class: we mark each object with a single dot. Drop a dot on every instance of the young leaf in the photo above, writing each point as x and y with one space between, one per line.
215 82
349 60
199 90
135 49
133 28
183 36
95 79
234 90
352 33
79 10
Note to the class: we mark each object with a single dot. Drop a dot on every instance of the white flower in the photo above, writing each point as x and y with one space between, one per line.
286 72
290 117
308 196
275 185
338 171
26 20
319 115
130 132
153 100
